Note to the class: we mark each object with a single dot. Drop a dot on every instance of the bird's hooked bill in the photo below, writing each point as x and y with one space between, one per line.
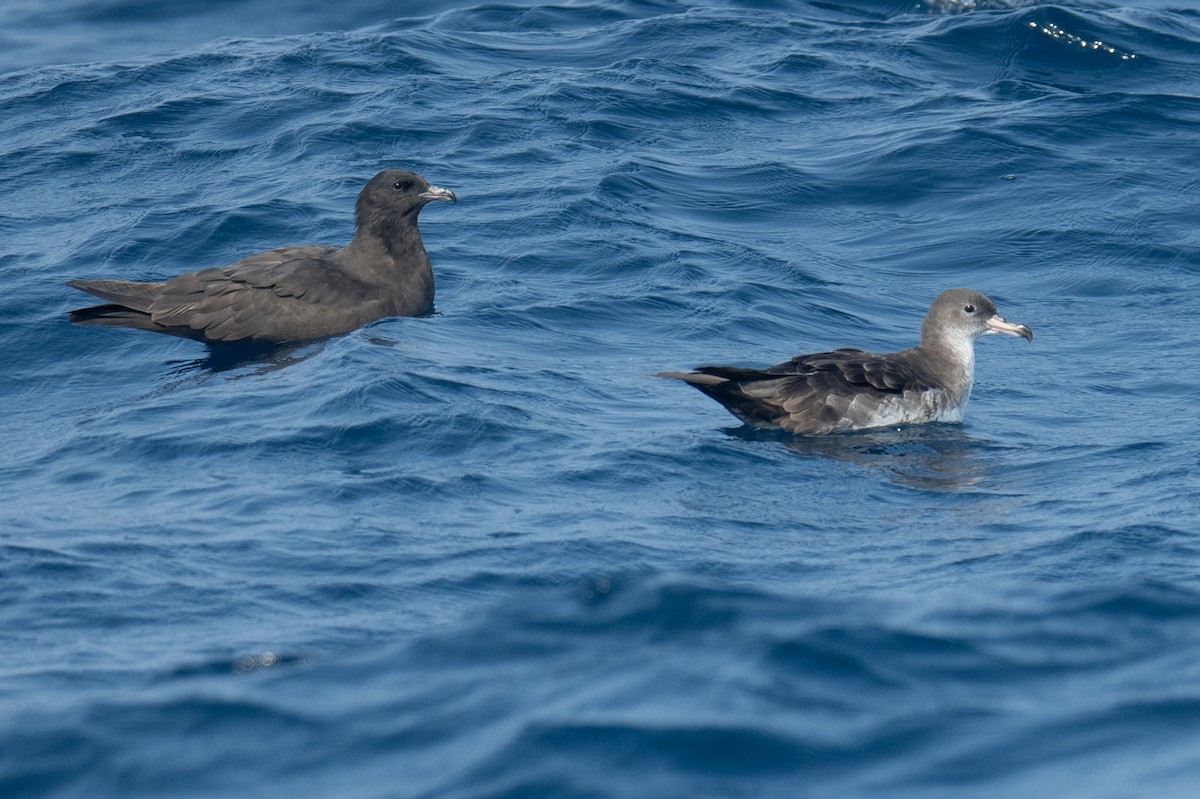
438 193
997 325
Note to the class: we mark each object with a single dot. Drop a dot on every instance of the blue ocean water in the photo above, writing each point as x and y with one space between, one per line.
483 554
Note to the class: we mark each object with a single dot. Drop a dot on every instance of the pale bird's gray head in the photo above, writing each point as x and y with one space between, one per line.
964 312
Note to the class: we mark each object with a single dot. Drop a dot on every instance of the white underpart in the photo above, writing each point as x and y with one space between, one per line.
908 408
936 405
950 410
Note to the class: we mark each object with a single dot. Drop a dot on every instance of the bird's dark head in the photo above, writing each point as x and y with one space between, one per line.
394 195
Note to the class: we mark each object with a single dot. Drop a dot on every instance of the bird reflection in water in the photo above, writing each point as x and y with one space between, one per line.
256 359
929 457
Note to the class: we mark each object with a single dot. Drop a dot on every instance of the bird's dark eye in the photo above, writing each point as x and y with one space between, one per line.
969 308
400 185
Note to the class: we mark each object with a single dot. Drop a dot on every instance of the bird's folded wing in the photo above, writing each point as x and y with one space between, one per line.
232 302
813 392
855 370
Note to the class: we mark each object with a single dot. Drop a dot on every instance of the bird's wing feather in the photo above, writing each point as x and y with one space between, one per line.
243 300
813 393
855 370
136 296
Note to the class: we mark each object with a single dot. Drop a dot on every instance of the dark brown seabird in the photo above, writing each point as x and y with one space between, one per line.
849 389
292 293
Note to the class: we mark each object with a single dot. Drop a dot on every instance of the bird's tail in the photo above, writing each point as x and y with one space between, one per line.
111 316
119 316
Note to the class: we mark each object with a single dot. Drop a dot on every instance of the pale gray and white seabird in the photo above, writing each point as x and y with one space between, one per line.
849 389
292 293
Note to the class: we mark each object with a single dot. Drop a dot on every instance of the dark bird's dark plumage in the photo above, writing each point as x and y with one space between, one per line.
849 389
292 293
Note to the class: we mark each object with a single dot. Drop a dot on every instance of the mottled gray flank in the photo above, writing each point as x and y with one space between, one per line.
850 389
292 293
